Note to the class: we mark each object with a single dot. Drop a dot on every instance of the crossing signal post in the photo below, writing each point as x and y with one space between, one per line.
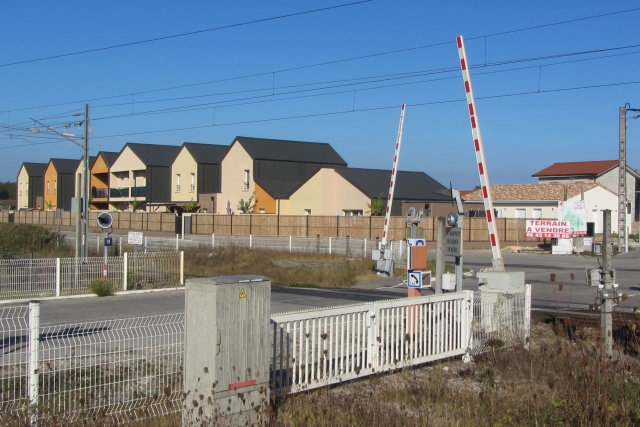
105 220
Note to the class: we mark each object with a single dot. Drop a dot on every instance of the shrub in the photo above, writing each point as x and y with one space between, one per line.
101 287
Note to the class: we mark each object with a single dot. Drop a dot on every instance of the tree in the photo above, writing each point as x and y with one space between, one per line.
135 204
191 206
7 190
48 204
477 187
249 206
376 207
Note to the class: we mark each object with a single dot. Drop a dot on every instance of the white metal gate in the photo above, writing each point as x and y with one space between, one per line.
315 348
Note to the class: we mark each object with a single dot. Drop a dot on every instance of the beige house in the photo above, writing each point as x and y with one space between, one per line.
30 186
349 191
195 175
142 174
271 168
540 201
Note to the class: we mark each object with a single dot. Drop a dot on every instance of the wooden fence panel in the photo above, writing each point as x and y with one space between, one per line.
264 225
296 226
222 224
168 222
324 226
354 226
154 222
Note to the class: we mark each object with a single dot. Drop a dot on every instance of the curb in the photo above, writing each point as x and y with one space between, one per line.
138 291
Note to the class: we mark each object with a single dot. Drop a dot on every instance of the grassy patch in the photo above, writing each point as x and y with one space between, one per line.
299 269
25 238
101 287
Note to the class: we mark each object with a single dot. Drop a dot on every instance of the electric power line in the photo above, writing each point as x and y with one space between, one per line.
190 33
355 58
526 93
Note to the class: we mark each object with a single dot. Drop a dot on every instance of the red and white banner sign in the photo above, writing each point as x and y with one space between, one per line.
546 228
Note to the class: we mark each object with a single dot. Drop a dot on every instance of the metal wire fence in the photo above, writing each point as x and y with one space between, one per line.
121 369
14 332
37 278
500 319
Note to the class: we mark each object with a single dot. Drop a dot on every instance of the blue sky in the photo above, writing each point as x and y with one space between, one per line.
522 134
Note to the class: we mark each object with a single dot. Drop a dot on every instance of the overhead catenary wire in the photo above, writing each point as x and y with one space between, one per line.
319 64
347 111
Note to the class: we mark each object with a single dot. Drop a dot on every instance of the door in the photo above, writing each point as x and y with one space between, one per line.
187 226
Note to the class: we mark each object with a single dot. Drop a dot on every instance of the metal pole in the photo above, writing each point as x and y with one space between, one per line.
120 246
440 253
106 257
459 263
85 189
622 182
607 281
78 219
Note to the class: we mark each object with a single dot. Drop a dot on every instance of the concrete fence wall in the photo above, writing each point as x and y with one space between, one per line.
362 227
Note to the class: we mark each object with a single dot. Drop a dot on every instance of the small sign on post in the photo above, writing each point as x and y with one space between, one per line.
452 241
135 238
414 279
108 241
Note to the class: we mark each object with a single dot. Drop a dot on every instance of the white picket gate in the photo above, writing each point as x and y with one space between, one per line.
315 348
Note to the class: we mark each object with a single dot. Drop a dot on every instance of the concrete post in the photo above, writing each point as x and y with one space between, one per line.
125 270
58 277
440 266
607 282
227 349
33 357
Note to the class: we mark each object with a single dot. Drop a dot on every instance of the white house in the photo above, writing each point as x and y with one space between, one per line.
605 172
535 201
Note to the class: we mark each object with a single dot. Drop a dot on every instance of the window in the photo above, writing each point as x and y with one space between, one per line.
537 214
350 212
262 210
521 213
307 211
246 180
193 183
177 183
47 187
55 187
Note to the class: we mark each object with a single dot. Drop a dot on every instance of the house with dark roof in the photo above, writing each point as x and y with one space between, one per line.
271 168
349 191
99 180
605 172
30 185
142 174
8 205
541 201
60 183
196 175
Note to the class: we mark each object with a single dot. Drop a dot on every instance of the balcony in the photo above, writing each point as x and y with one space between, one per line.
99 193
138 191
118 192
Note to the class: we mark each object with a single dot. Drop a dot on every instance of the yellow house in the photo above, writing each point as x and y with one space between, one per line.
142 175
271 168
195 175
59 184
29 191
350 191
99 183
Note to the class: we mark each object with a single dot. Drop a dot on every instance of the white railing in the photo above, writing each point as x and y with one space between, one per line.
117 370
53 277
315 348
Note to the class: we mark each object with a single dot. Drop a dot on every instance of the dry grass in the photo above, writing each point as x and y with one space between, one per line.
560 381
294 269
